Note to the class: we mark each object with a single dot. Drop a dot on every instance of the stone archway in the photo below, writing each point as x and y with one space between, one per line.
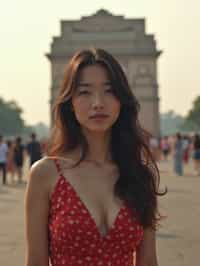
125 39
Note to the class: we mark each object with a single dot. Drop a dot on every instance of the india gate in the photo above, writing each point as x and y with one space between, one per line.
127 41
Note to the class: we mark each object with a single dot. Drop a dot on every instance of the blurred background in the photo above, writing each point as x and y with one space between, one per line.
27 29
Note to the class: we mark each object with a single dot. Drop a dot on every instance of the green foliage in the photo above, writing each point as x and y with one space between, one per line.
170 123
193 117
11 122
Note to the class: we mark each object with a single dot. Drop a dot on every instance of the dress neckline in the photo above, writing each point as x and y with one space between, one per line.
86 209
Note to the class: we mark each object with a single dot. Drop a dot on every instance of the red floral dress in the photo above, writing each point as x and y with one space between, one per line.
74 238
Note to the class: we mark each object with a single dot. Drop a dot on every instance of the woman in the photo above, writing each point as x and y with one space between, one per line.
178 155
93 200
196 155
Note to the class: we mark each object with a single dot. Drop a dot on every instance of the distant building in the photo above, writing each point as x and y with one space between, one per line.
126 40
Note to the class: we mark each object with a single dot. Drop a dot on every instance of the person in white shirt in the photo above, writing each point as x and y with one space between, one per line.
154 146
3 158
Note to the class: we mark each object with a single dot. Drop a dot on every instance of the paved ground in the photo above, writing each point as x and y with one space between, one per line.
179 237
178 240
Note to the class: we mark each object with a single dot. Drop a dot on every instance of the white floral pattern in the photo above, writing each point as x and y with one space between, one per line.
74 238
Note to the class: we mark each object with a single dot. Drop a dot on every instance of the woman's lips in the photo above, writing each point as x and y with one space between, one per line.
98 116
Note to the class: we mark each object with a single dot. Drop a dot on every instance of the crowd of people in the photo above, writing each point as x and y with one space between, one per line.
13 154
180 148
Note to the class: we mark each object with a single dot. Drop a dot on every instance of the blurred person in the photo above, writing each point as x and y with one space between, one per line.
10 165
186 148
165 147
3 158
95 193
34 149
154 147
196 153
19 158
171 140
178 155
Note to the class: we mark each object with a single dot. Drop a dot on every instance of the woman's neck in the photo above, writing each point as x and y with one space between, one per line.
98 147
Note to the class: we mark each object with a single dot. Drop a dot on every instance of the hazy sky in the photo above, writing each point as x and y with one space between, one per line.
27 28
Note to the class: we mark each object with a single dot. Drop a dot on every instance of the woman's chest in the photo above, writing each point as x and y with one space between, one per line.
71 219
94 189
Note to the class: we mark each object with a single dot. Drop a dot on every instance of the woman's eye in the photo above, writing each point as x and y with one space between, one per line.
109 90
82 92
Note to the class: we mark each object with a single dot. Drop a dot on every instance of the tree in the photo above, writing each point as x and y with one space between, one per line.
193 117
11 122
170 123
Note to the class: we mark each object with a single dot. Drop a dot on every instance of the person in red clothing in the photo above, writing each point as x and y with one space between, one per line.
92 200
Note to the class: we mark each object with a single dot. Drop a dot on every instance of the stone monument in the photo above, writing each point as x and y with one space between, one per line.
128 42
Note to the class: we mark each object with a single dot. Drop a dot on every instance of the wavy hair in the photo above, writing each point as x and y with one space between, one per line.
138 182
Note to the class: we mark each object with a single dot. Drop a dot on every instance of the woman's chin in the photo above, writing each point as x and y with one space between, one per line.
98 129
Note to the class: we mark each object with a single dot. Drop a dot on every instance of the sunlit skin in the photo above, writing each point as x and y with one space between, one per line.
94 95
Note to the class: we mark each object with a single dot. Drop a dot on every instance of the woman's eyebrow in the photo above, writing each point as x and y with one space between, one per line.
88 84
85 84
107 83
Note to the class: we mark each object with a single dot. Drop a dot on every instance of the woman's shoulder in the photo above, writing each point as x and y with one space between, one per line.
43 166
48 168
42 173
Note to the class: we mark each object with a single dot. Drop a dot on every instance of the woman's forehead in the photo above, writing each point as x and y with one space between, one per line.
94 73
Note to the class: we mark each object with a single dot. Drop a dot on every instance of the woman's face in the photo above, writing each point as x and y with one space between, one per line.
95 106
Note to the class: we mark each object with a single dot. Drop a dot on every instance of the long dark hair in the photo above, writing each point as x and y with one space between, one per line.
138 181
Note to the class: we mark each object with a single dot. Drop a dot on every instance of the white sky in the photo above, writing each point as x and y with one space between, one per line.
27 28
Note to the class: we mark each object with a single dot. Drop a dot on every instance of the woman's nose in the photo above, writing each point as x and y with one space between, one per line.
98 100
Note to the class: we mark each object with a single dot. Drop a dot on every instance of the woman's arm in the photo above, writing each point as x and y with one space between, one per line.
36 217
146 252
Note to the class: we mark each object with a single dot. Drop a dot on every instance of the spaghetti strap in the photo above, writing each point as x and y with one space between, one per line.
57 166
